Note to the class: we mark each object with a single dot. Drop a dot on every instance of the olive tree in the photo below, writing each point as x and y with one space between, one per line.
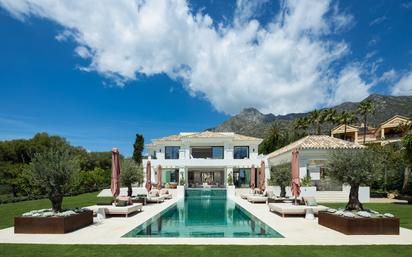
54 170
281 175
354 167
131 172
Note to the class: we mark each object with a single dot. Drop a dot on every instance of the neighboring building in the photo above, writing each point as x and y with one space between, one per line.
387 132
204 158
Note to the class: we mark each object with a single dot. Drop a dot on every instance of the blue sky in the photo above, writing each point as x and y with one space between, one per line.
98 74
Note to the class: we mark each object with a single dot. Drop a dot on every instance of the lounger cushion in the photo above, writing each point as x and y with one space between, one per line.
310 201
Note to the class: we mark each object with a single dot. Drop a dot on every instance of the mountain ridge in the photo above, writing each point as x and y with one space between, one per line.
251 122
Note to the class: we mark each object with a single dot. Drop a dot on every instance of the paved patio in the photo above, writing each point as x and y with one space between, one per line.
296 231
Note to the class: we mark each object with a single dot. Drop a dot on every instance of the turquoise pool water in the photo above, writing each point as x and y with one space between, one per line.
204 214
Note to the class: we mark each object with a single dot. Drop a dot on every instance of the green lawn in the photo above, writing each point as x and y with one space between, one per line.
403 211
10 210
207 251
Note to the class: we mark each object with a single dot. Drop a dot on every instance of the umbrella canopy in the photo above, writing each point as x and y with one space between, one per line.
115 183
159 177
262 176
252 177
148 176
295 173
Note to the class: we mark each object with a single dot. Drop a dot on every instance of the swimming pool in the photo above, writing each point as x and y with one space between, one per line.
204 214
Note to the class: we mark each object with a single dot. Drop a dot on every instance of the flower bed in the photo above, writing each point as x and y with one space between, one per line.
47 222
359 223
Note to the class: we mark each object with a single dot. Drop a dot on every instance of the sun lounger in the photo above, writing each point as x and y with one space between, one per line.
117 210
257 198
155 199
290 209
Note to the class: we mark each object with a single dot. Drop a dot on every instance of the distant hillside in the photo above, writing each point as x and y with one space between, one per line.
251 122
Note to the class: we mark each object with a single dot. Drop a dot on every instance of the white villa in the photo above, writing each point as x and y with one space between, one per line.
205 158
208 158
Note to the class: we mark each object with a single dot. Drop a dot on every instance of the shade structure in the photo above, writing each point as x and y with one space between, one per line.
148 176
262 176
252 177
159 177
295 173
115 182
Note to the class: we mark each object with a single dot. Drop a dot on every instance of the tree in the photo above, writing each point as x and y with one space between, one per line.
354 167
131 172
301 124
138 148
407 144
346 118
329 115
281 175
54 170
275 140
315 117
365 107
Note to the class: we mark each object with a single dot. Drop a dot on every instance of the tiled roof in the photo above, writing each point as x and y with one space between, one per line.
207 134
317 142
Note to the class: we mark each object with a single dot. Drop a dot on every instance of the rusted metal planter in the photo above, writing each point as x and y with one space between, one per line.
52 225
359 226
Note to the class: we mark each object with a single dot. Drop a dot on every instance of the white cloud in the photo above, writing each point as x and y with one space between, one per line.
286 66
404 85
350 86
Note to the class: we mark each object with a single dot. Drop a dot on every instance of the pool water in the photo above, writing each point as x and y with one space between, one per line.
204 215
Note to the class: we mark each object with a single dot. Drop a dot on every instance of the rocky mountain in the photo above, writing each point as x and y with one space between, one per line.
251 122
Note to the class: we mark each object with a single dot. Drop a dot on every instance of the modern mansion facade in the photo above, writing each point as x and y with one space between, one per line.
205 159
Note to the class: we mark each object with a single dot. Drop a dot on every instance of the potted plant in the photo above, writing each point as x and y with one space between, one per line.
181 187
54 170
306 188
230 187
356 167
281 176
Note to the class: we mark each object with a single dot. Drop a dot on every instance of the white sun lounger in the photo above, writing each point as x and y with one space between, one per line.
257 198
290 209
117 210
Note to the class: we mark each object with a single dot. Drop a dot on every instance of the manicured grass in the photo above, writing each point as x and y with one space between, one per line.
10 210
402 211
204 250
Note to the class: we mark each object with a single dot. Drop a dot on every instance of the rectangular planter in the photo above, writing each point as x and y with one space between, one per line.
52 225
359 226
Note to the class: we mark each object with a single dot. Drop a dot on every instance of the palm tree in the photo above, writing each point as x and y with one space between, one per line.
315 117
301 124
364 108
330 115
345 118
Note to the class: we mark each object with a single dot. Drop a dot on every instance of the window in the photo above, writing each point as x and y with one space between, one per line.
241 178
241 152
172 152
217 152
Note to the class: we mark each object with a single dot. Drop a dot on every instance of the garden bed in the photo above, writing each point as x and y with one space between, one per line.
53 224
359 225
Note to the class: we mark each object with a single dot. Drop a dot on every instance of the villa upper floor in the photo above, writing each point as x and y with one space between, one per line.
388 131
204 145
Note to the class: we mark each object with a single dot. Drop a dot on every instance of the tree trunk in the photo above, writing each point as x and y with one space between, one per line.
406 180
129 190
354 203
282 191
14 191
364 130
56 201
